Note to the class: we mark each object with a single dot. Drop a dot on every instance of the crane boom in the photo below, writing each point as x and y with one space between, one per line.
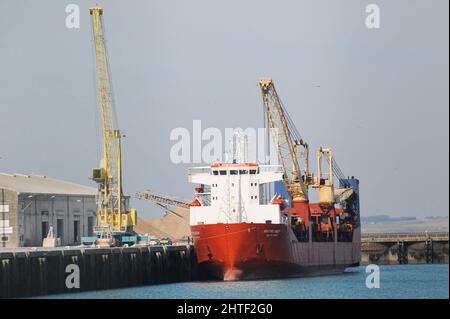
287 140
164 200
113 212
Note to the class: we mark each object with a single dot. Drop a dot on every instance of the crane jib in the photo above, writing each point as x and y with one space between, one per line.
286 139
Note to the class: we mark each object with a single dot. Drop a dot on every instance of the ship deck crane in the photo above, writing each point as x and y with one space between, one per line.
115 220
347 194
325 181
328 193
288 143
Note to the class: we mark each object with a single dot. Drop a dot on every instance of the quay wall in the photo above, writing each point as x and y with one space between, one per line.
26 273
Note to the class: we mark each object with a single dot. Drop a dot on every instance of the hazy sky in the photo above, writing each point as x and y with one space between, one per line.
379 97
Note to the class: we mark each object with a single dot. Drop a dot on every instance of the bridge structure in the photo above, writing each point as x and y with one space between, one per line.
404 248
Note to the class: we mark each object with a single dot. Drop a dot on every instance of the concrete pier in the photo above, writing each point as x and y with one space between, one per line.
26 272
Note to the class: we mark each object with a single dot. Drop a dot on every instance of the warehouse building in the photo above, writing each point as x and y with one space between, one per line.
31 203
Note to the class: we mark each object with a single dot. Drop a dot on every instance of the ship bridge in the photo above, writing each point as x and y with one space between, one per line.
233 193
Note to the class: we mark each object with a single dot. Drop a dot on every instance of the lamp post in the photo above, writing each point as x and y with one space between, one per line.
53 210
3 216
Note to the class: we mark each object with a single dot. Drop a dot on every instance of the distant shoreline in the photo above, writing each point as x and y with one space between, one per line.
385 223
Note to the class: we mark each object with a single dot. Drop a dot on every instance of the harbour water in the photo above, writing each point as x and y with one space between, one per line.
396 281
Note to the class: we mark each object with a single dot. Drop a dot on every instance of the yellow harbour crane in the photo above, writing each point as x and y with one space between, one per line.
115 220
287 141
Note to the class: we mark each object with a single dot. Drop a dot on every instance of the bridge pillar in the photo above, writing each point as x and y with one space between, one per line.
429 250
402 252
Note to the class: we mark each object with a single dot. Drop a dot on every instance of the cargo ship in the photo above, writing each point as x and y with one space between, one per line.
250 220
238 236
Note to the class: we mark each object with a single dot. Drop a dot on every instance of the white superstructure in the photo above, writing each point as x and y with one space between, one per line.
233 193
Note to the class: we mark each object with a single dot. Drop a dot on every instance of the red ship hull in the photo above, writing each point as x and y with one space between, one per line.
253 251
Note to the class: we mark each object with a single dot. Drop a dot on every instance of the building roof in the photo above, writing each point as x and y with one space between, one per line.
39 184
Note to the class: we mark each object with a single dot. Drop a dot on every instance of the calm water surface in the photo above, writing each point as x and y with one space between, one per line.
396 281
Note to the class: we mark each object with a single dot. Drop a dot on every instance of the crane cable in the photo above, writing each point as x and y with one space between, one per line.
292 128
338 173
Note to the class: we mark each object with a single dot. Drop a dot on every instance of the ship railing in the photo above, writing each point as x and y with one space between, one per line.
270 169
404 236
262 169
199 170
205 199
